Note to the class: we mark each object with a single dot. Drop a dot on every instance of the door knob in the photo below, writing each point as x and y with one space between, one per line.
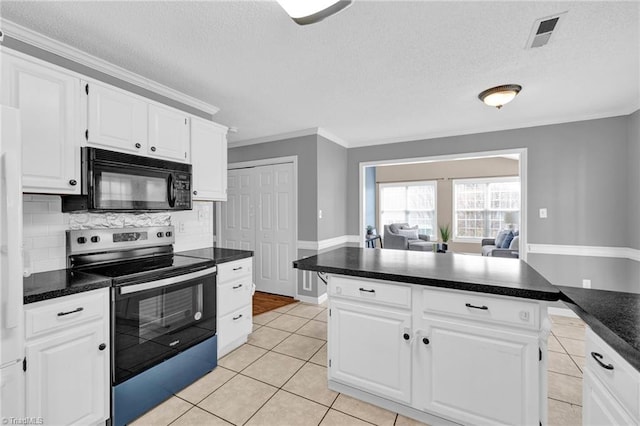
406 336
73 182
138 146
425 341
195 192
153 149
102 346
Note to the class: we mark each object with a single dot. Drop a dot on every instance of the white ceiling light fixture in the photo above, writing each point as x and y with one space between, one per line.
304 12
500 95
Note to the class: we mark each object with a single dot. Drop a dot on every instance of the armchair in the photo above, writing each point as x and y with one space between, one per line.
394 238
490 248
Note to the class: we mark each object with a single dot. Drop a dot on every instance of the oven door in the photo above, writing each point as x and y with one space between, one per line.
154 321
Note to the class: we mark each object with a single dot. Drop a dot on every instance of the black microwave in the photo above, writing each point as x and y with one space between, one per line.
125 182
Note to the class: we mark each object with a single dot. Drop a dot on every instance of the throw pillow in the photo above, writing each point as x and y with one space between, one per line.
500 238
408 227
507 240
393 228
411 234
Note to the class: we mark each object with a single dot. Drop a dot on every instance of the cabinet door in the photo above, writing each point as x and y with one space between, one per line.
48 100
168 134
367 349
599 406
476 374
209 154
68 376
116 120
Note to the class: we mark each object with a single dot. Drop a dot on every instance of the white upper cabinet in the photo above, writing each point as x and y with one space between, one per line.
116 119
48 99
168 133
209 154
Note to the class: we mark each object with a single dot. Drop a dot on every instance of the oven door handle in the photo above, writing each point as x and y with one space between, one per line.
166 281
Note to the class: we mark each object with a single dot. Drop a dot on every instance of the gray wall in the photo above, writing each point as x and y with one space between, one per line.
370 210
305 148
633 173
575 170
332 191
100 76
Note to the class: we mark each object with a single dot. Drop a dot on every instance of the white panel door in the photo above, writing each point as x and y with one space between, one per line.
48 100
368 349
599 406
168 133
238 217
258 216
274 230
477 374
116 120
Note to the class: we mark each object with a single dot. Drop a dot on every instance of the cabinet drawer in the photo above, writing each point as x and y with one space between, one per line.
234 325
370 291
477 306
233 270
623 381
56 314
234 295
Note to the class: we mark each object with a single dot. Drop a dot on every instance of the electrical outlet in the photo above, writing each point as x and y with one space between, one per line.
181 227
543 213
319 214
586 283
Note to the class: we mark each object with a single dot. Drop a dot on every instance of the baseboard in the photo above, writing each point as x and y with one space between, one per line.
312 300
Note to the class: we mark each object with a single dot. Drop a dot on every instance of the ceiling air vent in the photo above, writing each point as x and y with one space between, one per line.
543 29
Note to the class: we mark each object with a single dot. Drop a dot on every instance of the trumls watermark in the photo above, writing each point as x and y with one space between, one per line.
22 421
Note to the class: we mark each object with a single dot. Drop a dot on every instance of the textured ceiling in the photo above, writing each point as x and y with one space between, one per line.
379 71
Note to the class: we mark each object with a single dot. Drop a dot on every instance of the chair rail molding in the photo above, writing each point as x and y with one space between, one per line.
592 251
328 243
63 50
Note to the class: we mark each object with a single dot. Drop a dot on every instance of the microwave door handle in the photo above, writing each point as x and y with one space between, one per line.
171 191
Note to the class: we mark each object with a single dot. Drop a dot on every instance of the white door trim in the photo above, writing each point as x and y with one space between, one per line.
522 152
294 213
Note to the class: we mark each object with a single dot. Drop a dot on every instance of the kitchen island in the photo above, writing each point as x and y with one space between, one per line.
444 339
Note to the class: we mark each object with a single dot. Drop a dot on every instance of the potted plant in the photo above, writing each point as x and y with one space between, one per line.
445 234
369 230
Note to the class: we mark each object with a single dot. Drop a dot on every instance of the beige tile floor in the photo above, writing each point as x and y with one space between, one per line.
279 377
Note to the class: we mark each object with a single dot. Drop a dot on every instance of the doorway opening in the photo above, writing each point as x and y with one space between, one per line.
472 195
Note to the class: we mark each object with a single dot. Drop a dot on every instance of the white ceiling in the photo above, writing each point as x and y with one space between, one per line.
379 71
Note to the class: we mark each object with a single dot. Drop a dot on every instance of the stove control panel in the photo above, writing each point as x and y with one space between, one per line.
93 240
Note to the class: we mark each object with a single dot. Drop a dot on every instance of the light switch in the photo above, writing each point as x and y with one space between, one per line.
543 213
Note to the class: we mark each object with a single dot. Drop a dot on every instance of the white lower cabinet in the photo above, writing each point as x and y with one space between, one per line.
438 355
610 386
234 304
67 368
477 374
368 348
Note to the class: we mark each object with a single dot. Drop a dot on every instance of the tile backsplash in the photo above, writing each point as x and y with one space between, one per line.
44 227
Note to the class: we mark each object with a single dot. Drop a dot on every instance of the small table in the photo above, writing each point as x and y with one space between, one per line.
370 240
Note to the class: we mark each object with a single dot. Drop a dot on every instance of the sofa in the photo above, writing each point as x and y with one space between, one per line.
401 236
506 244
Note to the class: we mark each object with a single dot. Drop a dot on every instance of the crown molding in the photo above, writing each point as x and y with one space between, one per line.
319 131
50 45
622 111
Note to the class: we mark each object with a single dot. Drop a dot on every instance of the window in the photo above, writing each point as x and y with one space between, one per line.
480 206
410 202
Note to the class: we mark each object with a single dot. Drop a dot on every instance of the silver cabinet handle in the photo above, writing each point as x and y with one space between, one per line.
61 314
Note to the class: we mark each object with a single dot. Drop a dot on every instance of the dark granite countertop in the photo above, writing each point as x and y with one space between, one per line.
63 282
612 315
218 255
507 277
